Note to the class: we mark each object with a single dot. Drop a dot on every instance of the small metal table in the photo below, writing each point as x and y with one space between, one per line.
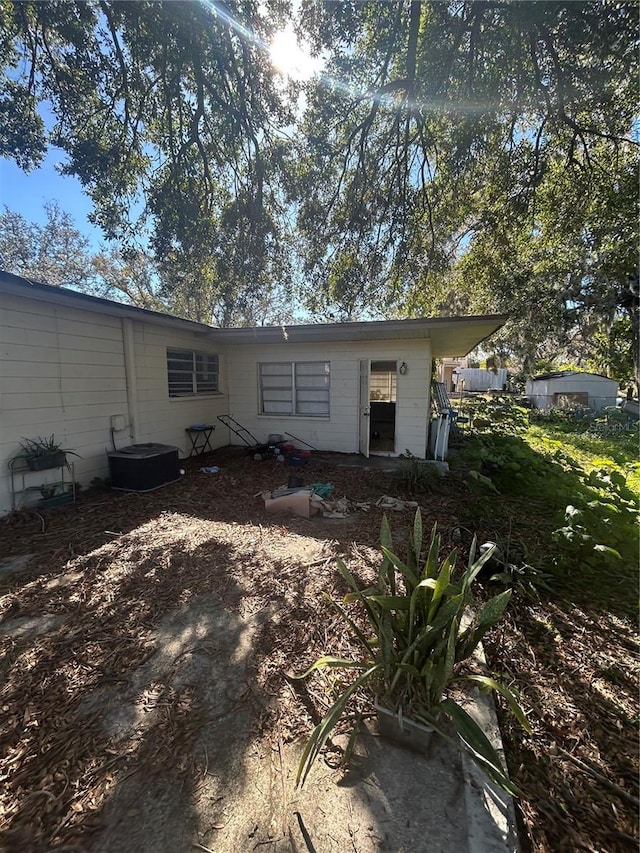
200 438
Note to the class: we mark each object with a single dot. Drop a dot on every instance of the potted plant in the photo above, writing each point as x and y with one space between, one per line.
420 627
56 494
43 453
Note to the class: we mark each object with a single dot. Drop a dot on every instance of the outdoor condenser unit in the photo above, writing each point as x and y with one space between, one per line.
143 467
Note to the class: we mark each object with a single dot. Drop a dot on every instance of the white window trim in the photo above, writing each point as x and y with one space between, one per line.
294 388
189 395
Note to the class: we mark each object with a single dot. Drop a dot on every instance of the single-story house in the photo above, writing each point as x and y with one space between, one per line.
101 375
564 388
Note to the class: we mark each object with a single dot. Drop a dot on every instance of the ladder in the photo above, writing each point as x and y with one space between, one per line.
441 398
442 405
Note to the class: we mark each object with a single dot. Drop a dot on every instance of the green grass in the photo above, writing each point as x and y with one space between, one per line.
566 498
615 453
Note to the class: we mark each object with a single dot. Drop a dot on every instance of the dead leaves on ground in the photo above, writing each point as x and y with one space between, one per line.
106 573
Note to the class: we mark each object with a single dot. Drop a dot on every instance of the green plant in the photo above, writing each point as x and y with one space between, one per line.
498 413
523 579
416 475
37 447
419 630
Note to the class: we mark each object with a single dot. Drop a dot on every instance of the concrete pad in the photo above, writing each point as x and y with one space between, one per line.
244 798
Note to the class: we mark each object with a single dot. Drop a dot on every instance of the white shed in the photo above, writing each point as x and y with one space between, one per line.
101 376
571 388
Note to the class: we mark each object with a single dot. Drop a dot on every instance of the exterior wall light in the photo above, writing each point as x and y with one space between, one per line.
403 368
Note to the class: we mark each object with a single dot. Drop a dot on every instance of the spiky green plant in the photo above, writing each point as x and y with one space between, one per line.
413 644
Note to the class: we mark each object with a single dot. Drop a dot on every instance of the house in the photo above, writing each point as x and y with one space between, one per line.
101 375
564 388
448 369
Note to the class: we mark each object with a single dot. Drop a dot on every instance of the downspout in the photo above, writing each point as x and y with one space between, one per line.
128 342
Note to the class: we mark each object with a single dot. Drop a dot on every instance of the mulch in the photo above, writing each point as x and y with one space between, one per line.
111 568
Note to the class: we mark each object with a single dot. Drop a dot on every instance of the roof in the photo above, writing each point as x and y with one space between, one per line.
449 336
16 284
560 374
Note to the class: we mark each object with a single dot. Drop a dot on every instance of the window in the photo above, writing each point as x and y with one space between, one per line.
382 383
294 388
192 373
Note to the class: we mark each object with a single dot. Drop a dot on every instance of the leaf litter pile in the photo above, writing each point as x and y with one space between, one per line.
93 688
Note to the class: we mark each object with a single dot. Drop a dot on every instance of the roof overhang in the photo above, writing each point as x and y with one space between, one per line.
19 286
450 336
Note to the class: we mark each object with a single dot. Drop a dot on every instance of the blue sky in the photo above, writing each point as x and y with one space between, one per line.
27 193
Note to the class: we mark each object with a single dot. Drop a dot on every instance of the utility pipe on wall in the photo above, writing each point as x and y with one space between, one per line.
129 347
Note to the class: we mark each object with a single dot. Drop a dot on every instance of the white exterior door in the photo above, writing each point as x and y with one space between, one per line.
365 371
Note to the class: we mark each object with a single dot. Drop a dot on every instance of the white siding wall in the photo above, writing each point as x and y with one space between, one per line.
339 432
602 391
62 372
162 418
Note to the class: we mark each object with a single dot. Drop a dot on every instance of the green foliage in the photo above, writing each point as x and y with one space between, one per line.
524 580
54 252
503 463
499 413
582 489
35 447
417 477
610 351
573 417
414 639
451 157
170 117
596 526
38 448
525 205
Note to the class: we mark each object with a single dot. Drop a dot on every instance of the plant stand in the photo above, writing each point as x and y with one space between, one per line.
46 462
21 476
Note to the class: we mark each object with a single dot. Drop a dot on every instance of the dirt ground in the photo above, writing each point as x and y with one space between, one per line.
147 644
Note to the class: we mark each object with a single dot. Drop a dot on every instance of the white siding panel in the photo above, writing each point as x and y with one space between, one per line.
338 432
164 419
62 372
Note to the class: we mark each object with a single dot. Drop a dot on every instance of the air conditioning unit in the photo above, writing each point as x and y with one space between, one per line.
143 467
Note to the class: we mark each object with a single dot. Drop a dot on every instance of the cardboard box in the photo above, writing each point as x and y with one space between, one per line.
299 503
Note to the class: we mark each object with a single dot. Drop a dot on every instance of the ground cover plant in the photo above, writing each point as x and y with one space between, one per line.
89 717
414 645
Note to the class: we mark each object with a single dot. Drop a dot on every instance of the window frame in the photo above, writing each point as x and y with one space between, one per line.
295 388
201 367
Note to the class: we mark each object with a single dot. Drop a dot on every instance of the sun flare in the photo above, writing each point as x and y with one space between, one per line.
290 58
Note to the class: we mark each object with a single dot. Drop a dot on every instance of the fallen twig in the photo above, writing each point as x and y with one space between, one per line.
587 768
